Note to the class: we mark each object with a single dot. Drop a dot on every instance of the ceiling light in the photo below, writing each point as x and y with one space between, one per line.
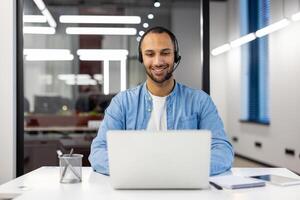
38 30
47 54
49 17
74 76
94 19
220 49
34 19
100 31
242 40
100 58
272 28
49 57
105 52
145 25
156 4
46 51
141 33
102 54
81 82
40 4
98 77
138 38
150 16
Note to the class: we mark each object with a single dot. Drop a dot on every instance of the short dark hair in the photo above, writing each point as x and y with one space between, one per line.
159 29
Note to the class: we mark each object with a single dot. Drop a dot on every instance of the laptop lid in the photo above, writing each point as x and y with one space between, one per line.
159 160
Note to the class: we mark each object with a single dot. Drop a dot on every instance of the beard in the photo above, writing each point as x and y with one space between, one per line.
166 77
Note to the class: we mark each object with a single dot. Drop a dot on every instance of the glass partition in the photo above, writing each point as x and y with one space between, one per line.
77 56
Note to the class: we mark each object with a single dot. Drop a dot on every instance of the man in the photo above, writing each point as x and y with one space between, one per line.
162 104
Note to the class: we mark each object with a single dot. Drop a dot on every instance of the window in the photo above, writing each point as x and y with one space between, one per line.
255 60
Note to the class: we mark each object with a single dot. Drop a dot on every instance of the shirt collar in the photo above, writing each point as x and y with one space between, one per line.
170 96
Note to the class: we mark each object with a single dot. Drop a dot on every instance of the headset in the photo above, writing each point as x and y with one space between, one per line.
159 29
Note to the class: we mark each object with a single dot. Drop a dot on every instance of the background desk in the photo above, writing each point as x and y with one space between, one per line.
43 183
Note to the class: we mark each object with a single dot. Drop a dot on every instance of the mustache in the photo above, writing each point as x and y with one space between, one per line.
164 66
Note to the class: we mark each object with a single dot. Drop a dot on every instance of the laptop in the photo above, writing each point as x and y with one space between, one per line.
159 160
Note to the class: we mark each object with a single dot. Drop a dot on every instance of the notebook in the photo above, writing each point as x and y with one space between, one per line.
236 182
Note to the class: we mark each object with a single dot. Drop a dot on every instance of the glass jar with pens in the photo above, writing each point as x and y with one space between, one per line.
70 167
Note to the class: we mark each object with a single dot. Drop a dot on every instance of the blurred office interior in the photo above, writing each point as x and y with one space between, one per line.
73 61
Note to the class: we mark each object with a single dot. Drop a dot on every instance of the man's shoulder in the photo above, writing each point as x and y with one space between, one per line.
189 91
129 93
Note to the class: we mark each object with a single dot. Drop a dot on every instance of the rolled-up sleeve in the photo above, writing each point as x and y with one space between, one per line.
221 150
113 120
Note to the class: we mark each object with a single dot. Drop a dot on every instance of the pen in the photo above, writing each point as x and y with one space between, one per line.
218 187
65 169
69 165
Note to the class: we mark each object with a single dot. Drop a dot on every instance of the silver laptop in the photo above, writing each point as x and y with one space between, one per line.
159 160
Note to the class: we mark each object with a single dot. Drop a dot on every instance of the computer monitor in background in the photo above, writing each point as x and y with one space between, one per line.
93 102
47 104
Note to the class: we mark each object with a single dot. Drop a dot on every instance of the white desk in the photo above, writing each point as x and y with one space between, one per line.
43 183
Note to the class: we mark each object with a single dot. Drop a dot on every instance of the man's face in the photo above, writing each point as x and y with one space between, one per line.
158 56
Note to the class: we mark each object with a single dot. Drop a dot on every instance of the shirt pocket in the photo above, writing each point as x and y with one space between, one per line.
188 122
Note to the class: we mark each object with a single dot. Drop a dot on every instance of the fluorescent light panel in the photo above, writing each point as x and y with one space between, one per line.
98 77
93 19
106 52
102 54
49 18
40 4
47 54
49 57
65 77
100 31
46 51
77 79
243 40
38 30
34 19
220 49
272 28
100 58
81 82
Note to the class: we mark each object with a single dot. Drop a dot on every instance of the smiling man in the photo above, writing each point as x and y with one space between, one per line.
161 104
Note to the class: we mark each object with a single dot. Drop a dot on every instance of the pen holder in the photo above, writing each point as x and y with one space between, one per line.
70 168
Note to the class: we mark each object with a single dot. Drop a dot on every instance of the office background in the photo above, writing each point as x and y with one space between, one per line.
275 144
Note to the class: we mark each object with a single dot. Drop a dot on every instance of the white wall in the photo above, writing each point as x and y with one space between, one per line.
218 68
284 73
7 90
186 26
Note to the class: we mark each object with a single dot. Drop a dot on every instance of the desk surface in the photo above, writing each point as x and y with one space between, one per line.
43 183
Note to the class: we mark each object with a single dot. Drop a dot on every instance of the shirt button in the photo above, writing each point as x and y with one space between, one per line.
150 99
149 109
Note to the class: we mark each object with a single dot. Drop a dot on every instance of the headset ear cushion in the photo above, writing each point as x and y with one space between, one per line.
140 57
177 57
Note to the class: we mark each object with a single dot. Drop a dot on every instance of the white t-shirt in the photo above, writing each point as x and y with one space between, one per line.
158 118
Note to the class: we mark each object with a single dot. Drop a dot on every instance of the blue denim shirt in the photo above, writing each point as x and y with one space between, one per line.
187 108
